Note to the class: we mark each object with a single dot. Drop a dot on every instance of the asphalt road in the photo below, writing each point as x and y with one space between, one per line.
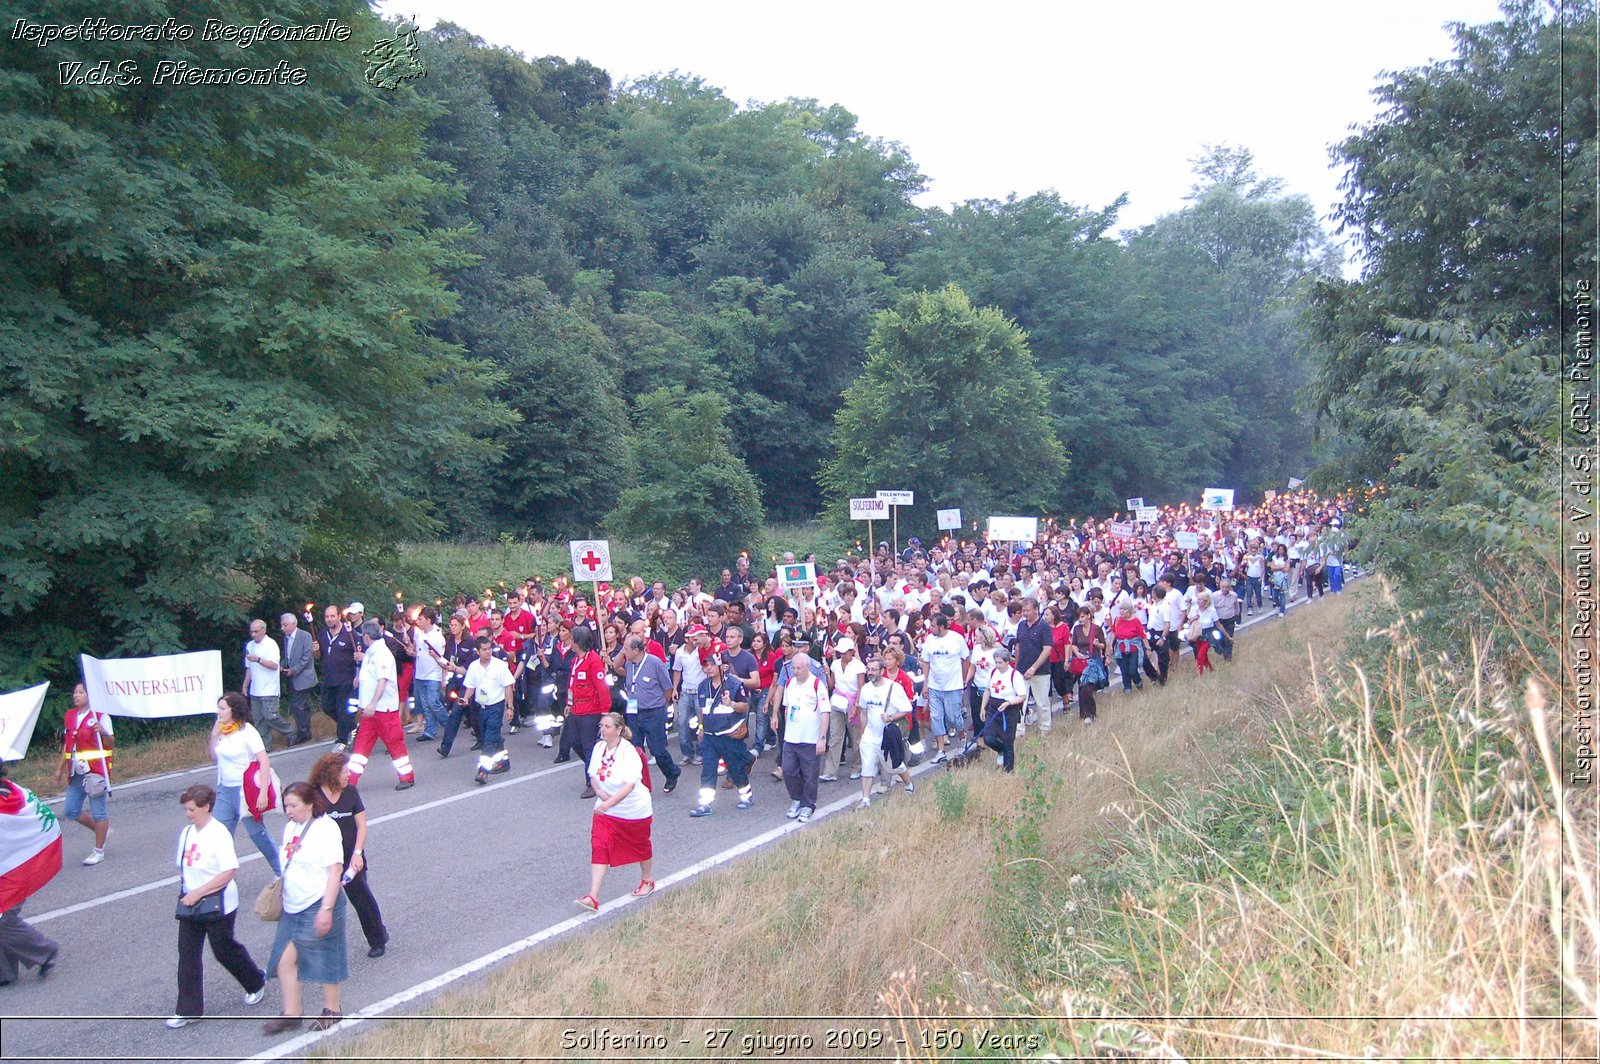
466 877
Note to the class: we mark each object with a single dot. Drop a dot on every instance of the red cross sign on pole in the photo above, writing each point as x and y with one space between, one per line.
591 559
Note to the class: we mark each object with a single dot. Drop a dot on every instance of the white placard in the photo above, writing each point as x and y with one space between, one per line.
1014 529
897 498
949 520
1217 499
175 685
1295 482
1121 529
591 559
873 509
1187 540
1136 504
795 575
1148 515
19 712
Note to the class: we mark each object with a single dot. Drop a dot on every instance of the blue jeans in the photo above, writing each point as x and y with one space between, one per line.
1280 598
650 725
99 807
1252 592
946 713
430 703
688 709
1129 665
229 810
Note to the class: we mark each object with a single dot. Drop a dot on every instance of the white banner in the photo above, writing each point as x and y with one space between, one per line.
1148 515
1187 540
897 498
795 575
1014 529
1217 499
19 712
869 509
949 520
1295 482
591 559
1136 504
1120 529
176 685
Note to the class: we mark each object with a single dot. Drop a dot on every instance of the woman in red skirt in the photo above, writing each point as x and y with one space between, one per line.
622 810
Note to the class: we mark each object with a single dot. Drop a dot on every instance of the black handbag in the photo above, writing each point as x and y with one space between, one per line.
203 911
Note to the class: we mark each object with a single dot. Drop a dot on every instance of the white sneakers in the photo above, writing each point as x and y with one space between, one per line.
176 1022
95 857
255 999
805 814
865 803
794 810
545 741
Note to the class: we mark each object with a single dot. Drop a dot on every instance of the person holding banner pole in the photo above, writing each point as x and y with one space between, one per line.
237 748
86 748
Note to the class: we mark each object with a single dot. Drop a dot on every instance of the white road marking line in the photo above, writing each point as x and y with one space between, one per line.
255 855
394 1001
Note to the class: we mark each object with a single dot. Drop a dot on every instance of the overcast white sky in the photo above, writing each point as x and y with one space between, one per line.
1092 100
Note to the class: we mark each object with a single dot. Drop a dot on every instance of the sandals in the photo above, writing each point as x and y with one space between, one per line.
645 888
588 901
280 1024
326 1020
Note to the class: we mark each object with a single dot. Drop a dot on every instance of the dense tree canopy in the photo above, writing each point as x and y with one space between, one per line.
950 407
1474 199
253 338
215 312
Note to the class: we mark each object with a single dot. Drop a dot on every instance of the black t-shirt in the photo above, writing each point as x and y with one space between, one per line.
343 813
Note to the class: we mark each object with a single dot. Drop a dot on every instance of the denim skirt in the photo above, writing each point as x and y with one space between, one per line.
318 959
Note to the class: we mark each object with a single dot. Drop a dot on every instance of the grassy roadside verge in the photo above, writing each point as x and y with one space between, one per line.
947 902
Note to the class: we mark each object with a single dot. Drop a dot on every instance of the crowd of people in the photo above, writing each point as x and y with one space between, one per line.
875 663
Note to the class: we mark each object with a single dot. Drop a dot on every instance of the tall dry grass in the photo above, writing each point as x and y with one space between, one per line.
871 917
1408 875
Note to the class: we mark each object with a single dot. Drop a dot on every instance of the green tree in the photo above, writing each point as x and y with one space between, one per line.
692 500
215 313
1438 367
950 406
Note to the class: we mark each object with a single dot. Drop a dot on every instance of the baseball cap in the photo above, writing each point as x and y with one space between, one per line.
355 607
845 645
697 629
715 650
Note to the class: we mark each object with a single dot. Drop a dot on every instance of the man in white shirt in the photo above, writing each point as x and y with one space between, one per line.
488 681
428 683
879 702
948 660
805 735
1166 623
378 698
844 680
687 676
262 684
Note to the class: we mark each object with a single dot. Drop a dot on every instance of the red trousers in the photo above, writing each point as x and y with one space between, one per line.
385 726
